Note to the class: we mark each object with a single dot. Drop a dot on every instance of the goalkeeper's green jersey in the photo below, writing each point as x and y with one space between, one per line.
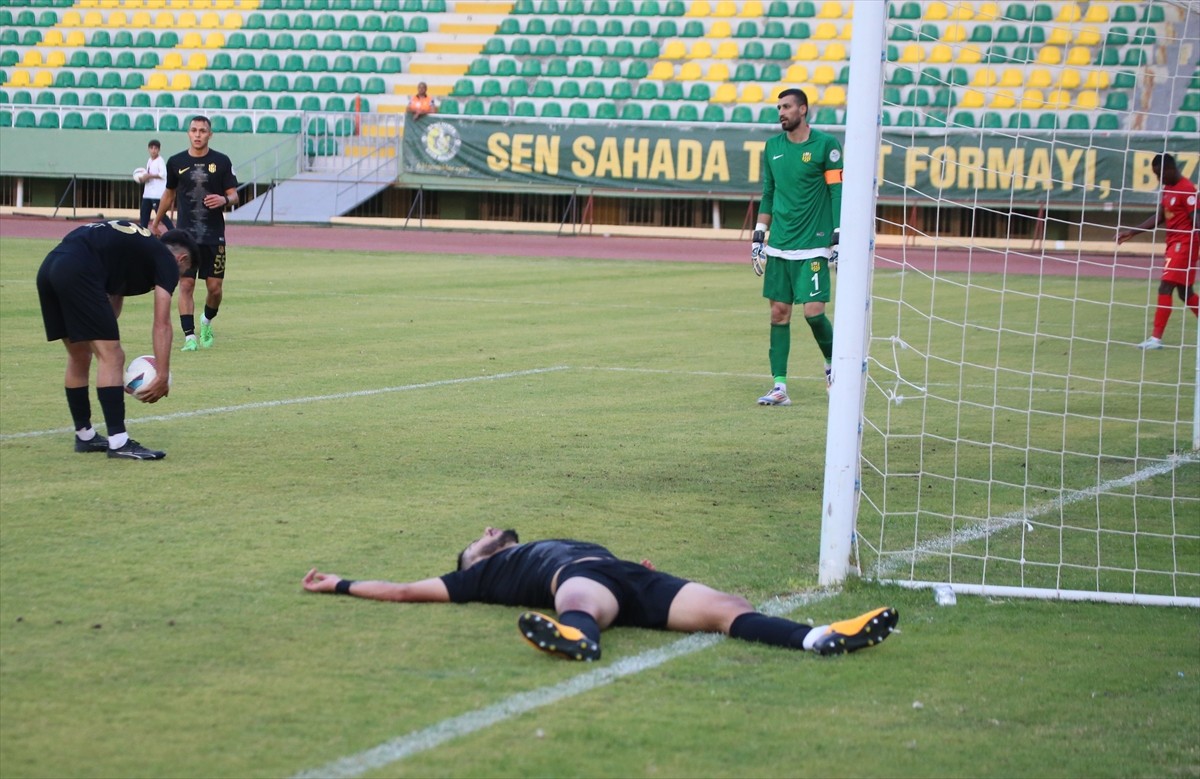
802 191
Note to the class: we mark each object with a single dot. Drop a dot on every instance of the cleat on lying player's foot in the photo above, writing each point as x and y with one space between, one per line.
206 336
776 397
858 633
189 345
1151 343
547 635
97 443
132 450
828 377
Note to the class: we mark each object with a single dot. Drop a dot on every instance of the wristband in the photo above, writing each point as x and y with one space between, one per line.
761 227
343 586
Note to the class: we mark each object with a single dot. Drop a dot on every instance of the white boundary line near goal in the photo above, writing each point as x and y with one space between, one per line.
439 733
309 399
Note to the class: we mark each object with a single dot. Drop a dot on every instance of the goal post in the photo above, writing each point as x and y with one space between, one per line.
993 423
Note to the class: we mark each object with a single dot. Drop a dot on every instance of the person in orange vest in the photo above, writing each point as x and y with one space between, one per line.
421 103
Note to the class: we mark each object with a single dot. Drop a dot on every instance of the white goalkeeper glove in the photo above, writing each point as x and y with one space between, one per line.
833 256
758 254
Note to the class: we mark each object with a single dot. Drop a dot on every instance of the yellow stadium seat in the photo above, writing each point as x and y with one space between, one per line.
191 40
32 59
1069 13
214 40
936 11
699 8
19 79
954 33
186 20
830 10
701 50
961 12
1069 78
972 98
834 95
689 71
1087 100
116 19
1059 36
726 93
210 21
725 8
198 61
941 53
76 38
751 93
809 91
721 29
93 19
1096 79
1033 99
847 31
824 74
835 52
796 74
181 82
1039 78
969 54
88 3
1078 56
674 50
662 71
52 38
1049 55
825 31
1058 100
42 79
172 60
1097 13
56 59
140 19
154 5
913 52
232 21
1088 36
752 9
984 77
1012 77
1003 98
807 52
988 12
726 50
157 81
164 20
71 19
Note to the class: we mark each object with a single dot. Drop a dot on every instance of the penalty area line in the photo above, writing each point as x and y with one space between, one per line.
309 399
439 733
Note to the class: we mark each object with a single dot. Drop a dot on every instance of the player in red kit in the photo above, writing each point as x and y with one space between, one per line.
1177 210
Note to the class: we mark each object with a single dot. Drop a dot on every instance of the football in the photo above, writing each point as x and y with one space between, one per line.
141 371
138 173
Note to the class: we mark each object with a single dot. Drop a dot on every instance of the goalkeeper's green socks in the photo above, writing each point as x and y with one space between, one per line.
781 346
822 330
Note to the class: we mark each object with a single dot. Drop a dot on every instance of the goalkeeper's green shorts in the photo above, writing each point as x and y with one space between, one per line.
797 281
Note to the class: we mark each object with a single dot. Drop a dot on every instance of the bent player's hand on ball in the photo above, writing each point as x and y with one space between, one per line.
758 256
157 389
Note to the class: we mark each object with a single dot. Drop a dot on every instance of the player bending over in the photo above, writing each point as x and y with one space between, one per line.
1177 210
591 590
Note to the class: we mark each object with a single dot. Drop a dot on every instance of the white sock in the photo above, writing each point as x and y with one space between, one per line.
118 440
781 387
191 337
86 434
813 635
204 320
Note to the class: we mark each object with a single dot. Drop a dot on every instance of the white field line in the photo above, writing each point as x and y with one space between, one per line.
309 399
439 733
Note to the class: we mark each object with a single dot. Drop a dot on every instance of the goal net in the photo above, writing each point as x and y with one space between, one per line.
1015 439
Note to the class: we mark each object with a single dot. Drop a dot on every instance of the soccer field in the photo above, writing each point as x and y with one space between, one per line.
369 413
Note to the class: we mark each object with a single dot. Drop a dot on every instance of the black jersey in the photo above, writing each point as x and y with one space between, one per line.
193 178
520 575
134 261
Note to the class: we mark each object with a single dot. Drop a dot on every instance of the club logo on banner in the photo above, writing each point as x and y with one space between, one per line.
441 141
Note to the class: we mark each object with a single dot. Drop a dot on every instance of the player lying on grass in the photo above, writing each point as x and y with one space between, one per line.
591 590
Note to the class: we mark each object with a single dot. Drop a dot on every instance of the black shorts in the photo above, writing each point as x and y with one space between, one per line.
212 263
70 286
643 596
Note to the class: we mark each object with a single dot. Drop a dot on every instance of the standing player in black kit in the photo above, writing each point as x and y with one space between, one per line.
200 183
82 285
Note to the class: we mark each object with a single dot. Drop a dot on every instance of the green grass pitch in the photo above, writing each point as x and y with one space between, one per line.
151 617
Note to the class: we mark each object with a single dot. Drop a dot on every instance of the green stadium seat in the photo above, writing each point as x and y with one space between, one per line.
144 122
64 80
674 8
237 102
490 88
168 123
713 113
594 90
1078 121
25 119
672 91
474 107
317 63
1019 121
48 121
267 124
121 122
525 108
699 92
1185 124
1116 101
230 82
935 118
660 112
568 90
66 99
375 86
303 83
254 83
213 103
632 112
291 125
93 99
992 120
140 100
621 90
242 124
506 68
687 113
96 122
517 88
667 28
262 103
606 111
964 119
551 111
579 111
770 73
310 103
342 64
111 80
597 48
332 42
45 98
168 40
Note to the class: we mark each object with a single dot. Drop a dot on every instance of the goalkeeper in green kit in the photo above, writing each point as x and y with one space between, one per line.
801 206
